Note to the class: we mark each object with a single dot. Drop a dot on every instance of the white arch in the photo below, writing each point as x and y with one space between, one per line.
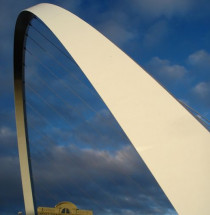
172 143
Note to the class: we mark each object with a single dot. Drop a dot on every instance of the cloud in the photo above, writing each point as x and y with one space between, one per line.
202 89
155 33
202 92
98 180
152 9
103 128
199 63
116 32
200 59
71 5
112 21
10 185
96 168
8 141
6 133
164 70
9 13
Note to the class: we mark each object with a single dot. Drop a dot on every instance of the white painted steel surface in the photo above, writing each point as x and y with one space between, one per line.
172 143
23 151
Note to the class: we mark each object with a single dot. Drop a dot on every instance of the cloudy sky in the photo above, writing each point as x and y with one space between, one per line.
79 153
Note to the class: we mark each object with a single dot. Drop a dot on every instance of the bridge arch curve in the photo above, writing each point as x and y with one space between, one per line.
172 143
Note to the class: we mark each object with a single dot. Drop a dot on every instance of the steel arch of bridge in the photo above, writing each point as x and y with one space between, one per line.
172 143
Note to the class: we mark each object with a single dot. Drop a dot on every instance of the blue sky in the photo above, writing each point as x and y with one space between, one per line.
169 38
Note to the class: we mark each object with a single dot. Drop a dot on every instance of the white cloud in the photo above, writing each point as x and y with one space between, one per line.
7 135
168 8
8 142
200 59
5 132
202 90
165 70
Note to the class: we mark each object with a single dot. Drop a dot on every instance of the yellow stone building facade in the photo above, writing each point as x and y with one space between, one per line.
63 208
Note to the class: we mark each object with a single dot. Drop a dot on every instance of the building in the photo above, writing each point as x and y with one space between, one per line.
63 208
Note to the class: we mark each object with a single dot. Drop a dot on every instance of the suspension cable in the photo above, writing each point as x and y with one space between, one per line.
66 86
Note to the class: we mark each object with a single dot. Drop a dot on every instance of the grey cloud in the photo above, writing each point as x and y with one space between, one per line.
117 173
11 198
109 181
114 22
71 5
116 32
